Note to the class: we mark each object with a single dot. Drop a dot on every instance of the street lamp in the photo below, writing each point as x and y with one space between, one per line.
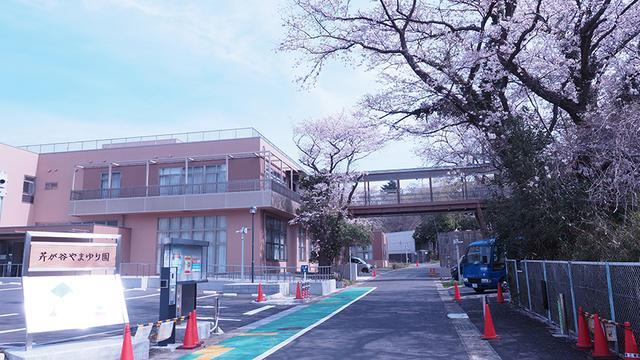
253 211
243 230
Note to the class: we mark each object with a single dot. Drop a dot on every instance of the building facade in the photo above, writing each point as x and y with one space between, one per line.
192 186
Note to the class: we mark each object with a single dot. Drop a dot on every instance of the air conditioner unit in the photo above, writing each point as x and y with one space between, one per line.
4 179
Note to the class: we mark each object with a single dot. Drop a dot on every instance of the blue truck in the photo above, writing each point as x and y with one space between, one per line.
483 266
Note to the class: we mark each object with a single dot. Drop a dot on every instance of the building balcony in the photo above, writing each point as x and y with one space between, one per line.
235 194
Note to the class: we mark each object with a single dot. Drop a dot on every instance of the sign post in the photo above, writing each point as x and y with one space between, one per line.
71 283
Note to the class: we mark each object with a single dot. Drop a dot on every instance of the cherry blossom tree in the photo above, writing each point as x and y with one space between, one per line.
473 79
330 147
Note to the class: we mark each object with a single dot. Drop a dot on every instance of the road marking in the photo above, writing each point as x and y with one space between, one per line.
260 309
308 328
141 296
229 294
209 292
6 315
205 296
211 307
11 289
225 319
12 330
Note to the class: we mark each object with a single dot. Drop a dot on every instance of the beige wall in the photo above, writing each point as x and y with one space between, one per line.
17 163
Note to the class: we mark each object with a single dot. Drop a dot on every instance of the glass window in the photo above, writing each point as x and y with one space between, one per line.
171 180
276 239
28 189
112 192
302 244
208 228
478 254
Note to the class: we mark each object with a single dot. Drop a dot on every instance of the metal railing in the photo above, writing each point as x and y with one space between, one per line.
225 134
185 189
612 290
10 270
434 194
270 273
137 269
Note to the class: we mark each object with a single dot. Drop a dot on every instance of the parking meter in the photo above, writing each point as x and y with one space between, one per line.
168 297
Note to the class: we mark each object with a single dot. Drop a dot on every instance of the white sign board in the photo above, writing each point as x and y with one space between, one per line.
55 303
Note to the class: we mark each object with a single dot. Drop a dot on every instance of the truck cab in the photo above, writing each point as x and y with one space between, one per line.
484 266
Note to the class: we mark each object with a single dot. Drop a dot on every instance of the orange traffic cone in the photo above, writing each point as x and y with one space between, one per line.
127 348
600 345
584 339
500 296
417 263
298 292
630 345
374 273
489 330
261 296
191 339
456 292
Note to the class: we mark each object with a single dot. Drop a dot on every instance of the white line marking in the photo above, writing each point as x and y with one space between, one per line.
12 330
260 309
6 315
11 289
308 328
141 297
225 319
229 294
205 296
211 307
209 292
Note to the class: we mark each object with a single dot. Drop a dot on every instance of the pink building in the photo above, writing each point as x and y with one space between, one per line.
192 186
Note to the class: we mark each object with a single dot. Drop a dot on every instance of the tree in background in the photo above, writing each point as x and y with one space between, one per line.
478 79
391 186
330 147
427 231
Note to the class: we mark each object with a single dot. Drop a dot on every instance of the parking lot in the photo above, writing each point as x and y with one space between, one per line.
142 305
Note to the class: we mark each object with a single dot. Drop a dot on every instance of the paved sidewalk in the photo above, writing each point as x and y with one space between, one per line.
521 336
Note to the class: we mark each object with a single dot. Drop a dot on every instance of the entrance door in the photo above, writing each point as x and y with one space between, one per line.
11 252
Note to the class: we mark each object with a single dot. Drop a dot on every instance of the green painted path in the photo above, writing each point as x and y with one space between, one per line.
279 332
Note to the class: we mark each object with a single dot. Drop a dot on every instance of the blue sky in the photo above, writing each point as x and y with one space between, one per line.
73 70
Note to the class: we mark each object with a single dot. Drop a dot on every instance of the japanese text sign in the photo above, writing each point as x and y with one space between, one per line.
71 256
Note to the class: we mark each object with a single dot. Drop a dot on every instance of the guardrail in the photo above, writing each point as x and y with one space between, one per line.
270 273
553 288
137 269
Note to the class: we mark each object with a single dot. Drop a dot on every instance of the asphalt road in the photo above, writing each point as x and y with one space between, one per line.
142 306
404 318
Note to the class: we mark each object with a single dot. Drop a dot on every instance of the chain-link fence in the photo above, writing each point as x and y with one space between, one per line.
555 289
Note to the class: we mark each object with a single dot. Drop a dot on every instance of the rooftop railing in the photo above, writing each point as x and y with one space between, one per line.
185 137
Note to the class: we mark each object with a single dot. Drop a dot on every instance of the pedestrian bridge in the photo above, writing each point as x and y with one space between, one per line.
422 190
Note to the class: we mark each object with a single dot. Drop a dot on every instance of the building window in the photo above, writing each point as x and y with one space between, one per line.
114 191
28 189
212 229
51 186
302 243
276 239
200 180
171 180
